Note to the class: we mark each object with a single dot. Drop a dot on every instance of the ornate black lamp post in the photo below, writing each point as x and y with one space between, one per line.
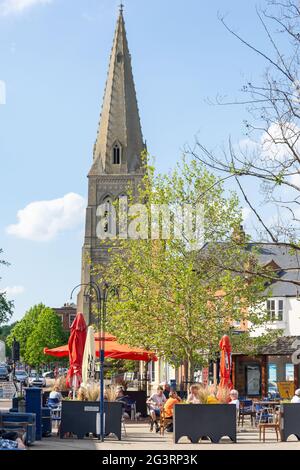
101 294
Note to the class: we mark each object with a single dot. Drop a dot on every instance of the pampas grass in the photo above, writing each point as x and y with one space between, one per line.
204 392
89 393
61 383
111 393
223 394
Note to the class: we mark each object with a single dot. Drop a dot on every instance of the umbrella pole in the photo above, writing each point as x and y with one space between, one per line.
102 334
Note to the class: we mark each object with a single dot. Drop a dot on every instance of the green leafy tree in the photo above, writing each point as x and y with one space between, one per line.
6 306
47 332
23 329
177 301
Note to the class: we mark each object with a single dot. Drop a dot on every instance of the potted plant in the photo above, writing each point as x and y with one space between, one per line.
212 417
290 420
80 416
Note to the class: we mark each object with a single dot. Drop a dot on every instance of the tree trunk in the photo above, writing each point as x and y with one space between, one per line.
190 371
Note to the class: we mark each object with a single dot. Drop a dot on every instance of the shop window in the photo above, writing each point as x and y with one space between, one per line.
289 372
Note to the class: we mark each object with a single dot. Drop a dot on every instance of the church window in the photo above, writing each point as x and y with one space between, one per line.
107 215
117 154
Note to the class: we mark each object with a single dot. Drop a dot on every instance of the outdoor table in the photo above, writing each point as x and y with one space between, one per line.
267 403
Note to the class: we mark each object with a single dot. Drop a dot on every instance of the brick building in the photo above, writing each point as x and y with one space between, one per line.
67 313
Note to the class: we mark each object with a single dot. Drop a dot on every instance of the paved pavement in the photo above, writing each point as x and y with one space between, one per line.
5 405
139 438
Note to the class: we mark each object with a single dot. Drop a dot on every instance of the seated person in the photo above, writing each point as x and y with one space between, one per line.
126 401
10 441
166 389
155 402
55 394
234 398
169 407
193 396
296 397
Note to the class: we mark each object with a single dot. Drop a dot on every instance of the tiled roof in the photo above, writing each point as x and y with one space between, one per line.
283 257
282 346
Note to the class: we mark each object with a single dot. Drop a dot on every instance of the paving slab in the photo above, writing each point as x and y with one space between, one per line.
140 438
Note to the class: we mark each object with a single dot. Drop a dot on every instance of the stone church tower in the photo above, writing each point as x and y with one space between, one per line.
117 161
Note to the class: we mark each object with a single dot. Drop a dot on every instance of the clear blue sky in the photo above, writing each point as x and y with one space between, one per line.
53 60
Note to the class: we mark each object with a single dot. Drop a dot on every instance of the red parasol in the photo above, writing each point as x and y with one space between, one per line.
225 363
107 337
76 349
113 350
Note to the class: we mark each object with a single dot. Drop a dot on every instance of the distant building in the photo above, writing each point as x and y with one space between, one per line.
67 314
279 361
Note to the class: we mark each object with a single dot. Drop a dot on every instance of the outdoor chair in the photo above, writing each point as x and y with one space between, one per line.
55 407
133 415
274 425
263 414
246 409
150 417
123 426
164 422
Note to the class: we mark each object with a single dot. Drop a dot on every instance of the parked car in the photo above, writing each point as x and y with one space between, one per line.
35 380
4 374
49 375
22 377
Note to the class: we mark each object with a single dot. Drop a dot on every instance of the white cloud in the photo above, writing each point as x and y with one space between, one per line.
11 7
271 145
44 220
14 291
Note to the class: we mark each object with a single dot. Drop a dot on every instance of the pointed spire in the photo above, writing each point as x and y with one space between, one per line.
120 122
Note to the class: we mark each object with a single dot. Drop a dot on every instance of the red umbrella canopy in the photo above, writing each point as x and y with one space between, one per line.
76 345
225 362
107 337
61 351
113 350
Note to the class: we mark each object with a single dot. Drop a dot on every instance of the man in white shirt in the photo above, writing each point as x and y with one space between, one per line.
156 402
296 397
234 399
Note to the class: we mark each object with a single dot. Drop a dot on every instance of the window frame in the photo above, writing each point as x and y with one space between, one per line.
117 154
275 309
70 316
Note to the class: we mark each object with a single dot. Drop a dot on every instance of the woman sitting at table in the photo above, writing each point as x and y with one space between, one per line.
169 407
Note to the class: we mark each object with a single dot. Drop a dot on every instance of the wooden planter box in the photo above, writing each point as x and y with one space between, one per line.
290 420
197 421
79 417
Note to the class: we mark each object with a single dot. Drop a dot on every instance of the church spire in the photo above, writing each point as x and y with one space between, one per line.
119 142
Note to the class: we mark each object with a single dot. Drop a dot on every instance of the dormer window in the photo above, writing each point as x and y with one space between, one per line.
117 154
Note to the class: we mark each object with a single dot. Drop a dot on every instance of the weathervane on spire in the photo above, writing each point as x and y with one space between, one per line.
121 6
